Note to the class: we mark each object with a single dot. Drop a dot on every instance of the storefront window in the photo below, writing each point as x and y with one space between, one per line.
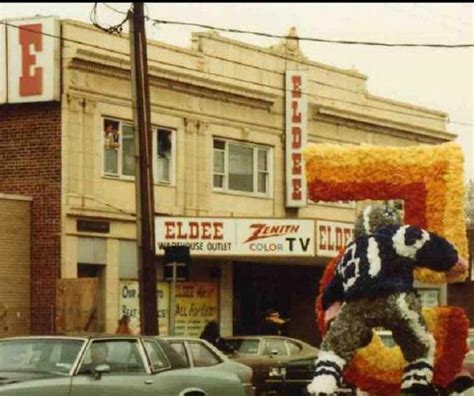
241 167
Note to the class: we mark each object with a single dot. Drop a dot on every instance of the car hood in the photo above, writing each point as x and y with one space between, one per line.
14 377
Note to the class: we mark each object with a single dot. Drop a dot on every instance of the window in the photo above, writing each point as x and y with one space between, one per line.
48 355
202 357
244 346
181 350
293 347
241 167
121 356
157 356
272 345
119 150
164 153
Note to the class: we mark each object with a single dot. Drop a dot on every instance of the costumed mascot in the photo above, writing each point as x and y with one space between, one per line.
373 287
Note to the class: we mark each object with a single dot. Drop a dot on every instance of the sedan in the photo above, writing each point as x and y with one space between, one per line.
104 365
199 353
269 357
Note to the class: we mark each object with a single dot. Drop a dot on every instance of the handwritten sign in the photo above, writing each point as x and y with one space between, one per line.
130 304
196 305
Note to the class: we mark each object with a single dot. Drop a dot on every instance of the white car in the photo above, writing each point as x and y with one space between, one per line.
199 353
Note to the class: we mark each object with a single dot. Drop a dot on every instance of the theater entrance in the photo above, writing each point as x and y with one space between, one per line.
290 289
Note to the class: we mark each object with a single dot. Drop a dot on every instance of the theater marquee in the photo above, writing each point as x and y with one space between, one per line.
332 236
236 237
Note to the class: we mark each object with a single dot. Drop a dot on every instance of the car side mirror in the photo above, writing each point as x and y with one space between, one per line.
99 370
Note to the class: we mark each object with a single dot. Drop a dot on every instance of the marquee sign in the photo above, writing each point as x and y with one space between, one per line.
296 137
236 237
30 60
332 236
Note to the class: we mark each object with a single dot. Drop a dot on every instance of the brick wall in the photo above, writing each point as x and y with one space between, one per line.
30 164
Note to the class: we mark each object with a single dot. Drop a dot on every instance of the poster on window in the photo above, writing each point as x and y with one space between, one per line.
130 304
196 305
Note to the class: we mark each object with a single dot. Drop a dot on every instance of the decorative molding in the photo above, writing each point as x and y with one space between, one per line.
289 46
177 80
75 103
245 133
90 106
203 128
325 113
191 125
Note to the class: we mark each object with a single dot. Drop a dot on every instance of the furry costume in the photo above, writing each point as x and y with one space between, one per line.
374 280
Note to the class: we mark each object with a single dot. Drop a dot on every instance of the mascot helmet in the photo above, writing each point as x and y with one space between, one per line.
374 217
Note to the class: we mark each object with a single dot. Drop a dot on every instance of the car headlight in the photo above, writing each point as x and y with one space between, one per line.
277 371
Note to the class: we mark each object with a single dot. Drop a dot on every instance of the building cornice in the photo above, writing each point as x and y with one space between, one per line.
388 126
177 80
273 52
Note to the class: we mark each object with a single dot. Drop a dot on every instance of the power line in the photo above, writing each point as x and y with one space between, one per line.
314 39
243 80
67 40
118 28
115 9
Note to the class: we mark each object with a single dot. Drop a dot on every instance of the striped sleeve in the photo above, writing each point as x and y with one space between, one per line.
425 248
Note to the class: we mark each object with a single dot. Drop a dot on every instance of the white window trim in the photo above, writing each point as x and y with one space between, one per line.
255 147
172 181
120 175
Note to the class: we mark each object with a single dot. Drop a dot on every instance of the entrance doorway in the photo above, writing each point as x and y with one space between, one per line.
291 290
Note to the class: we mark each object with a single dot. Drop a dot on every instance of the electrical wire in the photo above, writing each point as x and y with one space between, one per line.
115 9
242 80
314 39
112 29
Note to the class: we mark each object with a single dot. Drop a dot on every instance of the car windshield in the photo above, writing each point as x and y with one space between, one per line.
39 355
242 345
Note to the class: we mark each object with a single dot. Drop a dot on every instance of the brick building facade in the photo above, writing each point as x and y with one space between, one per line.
30 158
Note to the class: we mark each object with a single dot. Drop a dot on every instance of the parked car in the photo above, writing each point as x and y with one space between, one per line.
199 353
104 365
271 358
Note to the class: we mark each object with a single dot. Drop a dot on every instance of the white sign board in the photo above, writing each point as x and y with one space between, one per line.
332 236
32 60
296 115
236 237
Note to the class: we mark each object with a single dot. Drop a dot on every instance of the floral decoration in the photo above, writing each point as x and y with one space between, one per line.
378 369
430 180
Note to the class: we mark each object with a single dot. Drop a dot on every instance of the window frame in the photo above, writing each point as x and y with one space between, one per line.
202 345
155 128
256 148
140 346
150 362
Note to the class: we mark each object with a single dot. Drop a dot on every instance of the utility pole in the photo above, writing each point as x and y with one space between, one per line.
143 173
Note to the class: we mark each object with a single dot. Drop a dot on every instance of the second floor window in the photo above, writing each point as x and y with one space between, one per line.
119 150
241 167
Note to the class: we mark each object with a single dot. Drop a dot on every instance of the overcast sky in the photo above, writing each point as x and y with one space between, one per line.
441 79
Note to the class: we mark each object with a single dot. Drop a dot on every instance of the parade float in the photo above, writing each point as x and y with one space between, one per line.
429 179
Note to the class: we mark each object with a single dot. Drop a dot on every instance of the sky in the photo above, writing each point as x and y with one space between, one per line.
437 78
